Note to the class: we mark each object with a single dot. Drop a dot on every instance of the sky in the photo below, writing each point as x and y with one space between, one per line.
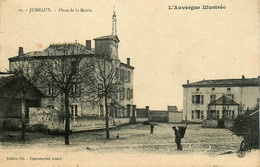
166 47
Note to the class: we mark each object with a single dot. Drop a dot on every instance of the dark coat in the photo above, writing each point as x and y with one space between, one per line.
177 135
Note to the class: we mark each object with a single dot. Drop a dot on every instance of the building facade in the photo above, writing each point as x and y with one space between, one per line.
80 106
219 99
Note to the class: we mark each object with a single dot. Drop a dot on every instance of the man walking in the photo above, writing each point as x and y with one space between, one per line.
177 138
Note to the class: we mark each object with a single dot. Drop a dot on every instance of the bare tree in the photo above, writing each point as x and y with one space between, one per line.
104 83
65 67
27 73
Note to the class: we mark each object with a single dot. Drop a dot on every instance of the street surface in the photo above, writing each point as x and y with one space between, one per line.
134 141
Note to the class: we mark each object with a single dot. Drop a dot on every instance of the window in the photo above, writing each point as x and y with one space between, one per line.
202 114
233 114
101 110
192 114
197 99
123 93
217 115
230 114
129 76
197 89
131 95
50 89
198 114
128 94
122 75
74 89
212 89
125 78
228 89
212 98
100 89
74 111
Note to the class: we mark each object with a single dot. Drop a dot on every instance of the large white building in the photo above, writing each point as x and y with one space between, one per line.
79 106
219 99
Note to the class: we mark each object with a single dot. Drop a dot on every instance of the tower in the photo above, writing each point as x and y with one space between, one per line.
108 44
114 31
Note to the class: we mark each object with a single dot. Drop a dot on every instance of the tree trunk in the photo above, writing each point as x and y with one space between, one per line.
23 118
67 120
107 119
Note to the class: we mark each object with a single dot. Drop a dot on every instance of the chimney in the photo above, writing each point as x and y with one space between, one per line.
88 44
20 53
243 77
128 61
188 82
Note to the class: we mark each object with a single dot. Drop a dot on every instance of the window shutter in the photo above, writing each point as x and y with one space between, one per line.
202 99
193 99
123 91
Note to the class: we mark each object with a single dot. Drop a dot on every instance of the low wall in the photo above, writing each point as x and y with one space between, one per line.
140 120
210 123
89 123
45 116
141 113
122 121
175 116
10 123
158 116
49 117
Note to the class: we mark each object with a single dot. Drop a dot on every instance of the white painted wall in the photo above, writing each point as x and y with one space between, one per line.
247 96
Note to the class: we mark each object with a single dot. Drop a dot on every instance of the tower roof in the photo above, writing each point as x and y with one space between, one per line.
110 37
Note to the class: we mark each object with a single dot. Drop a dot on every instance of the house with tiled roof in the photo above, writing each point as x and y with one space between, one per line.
219 100
11 99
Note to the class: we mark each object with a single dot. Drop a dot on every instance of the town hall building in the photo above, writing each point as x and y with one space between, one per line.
78 105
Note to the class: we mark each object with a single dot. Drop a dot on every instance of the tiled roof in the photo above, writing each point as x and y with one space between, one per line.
224 100
59 49
7 79
112 37
225 82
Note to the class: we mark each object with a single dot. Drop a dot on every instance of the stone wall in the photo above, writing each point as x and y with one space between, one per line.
140 120
175 116
49 117
45 116
158 116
